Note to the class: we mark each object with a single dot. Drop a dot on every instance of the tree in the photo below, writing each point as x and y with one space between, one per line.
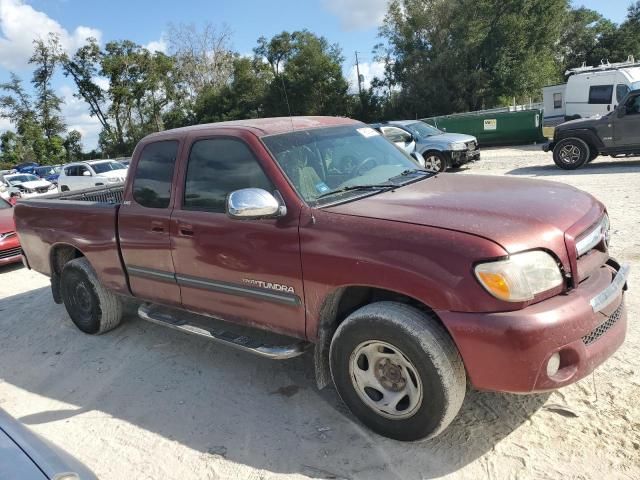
306 74
29 142
46 56
73 146
203 57
465 55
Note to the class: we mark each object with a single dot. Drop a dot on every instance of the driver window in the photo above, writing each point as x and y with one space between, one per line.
396 135
633 105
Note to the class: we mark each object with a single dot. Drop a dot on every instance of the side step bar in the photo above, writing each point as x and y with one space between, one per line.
166 318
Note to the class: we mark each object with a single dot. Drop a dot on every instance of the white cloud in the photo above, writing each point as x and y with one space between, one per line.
20 24
157 46
368 71
76 115
358 14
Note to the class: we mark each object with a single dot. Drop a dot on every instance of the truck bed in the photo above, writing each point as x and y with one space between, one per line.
84 223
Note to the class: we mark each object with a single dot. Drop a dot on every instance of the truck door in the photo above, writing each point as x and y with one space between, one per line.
246 271
143 224
626 128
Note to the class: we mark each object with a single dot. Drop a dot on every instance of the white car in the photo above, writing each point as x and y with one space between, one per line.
91 174
26 185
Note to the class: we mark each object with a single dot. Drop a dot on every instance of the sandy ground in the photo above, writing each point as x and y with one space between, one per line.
144 402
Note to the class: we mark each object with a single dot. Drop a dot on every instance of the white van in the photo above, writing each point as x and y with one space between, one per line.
93 173
590 91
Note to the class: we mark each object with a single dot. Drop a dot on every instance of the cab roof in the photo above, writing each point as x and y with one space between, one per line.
263 126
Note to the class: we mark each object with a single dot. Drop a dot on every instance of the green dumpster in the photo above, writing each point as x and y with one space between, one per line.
497 128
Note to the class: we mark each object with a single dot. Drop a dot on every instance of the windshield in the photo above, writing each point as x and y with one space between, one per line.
42 171
104 167
635 86
422 129
16 179
321 161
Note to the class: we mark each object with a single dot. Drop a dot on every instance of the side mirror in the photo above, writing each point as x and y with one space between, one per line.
86 173
418 158
253 204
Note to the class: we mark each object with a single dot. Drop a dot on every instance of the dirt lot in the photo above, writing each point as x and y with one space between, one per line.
144 402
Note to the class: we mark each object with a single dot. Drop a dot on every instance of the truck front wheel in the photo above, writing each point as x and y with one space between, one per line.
398 371
571 153
93 308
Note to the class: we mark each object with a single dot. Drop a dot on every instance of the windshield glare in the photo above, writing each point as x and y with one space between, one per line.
21 179
320 161
422 129
635 86
107 167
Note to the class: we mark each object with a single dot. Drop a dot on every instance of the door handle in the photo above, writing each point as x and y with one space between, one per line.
157 227
608 108
186 230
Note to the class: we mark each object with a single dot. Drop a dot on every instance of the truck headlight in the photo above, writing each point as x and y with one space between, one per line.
458 146
520 277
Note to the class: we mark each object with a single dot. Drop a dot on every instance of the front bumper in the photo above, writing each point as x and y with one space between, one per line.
509 351
10 251
465 156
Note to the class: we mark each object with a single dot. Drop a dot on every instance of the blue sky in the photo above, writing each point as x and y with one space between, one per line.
351 23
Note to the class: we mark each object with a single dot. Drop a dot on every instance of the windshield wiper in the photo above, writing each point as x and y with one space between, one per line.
384 186
413 171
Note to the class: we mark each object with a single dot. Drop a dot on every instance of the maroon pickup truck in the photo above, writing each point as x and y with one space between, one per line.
275 235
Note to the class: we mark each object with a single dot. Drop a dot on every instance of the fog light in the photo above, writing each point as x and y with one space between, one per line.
553 365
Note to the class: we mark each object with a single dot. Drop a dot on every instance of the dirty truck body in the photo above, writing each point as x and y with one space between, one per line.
404 288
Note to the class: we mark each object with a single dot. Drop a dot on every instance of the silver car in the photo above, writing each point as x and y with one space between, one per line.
441 150
26 456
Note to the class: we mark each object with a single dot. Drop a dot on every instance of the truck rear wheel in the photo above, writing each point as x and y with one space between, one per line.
93 308
571 153
398 371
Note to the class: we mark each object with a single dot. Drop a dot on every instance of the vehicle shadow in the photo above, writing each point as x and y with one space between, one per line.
597 167
11 267
221 402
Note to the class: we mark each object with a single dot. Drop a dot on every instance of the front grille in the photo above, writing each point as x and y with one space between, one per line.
601 329
12 252
42 189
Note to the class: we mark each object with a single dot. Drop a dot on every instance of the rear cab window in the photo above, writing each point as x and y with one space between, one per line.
154 174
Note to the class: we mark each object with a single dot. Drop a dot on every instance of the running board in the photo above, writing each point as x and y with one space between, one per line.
216 330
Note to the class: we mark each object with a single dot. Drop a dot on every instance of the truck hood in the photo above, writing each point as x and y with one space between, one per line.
34 184
580 123
447 138
518 214
121 173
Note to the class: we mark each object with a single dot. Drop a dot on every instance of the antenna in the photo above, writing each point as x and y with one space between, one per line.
286 99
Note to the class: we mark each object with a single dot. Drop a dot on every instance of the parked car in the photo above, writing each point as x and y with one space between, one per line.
414 283
26 456
440 150
49 173
92 173
26 167
9 244
590 91
578 142
27 185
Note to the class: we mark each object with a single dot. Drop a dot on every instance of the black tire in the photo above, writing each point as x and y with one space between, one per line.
571 153
436 161
417 338
93 308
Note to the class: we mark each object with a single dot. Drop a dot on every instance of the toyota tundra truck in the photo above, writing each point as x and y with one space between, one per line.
278 236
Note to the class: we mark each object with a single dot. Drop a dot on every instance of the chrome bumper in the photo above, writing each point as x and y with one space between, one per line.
609 294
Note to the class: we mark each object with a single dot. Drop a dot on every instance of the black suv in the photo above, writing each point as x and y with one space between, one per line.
580 141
